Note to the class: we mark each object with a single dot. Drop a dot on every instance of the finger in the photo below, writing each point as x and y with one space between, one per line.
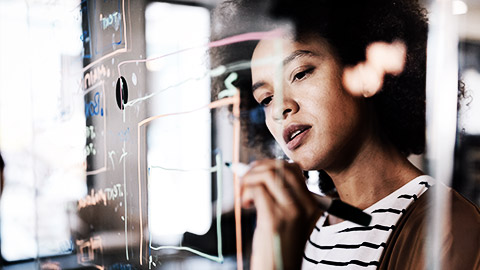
285 183
266 180
299 188
247 198
298 200
263 253
289 175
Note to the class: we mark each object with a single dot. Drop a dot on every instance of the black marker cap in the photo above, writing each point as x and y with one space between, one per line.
348 212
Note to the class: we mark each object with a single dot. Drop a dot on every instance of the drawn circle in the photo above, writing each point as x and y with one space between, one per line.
122 92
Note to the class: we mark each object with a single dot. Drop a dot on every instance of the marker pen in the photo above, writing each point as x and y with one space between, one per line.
333 206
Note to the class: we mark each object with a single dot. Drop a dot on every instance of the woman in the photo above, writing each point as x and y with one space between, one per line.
361 143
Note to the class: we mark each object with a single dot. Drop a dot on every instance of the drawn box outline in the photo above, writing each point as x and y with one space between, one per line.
121 3
89 56
89 245
117 51
219 180
235 101
104 167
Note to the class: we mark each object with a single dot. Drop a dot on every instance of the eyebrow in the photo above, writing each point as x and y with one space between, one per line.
294 55
257 85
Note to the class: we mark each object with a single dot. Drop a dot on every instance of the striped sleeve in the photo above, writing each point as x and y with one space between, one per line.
350 246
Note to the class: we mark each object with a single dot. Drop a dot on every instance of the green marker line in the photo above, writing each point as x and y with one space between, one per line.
199 253
217 168
218 160
212 169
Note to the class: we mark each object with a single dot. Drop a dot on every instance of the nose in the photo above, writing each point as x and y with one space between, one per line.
284 109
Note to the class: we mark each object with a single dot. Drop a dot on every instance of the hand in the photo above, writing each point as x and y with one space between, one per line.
286 213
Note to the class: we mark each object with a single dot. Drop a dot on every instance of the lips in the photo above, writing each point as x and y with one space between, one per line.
294 135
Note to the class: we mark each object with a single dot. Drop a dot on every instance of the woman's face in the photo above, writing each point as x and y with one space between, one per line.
317 122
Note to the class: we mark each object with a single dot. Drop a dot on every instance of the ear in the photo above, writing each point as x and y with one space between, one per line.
366 78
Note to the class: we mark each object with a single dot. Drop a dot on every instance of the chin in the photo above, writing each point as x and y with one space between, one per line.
308 167
308 161
305 164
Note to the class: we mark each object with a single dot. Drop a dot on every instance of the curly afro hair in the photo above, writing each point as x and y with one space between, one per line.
349 26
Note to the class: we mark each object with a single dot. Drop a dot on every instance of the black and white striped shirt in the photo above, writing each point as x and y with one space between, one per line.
353 246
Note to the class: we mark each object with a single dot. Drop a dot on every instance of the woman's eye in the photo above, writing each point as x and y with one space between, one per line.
266 101
302 74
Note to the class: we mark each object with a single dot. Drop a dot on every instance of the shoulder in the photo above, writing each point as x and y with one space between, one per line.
463 241
464 209
404 248
461 244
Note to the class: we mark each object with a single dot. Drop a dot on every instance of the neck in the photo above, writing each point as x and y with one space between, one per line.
374 172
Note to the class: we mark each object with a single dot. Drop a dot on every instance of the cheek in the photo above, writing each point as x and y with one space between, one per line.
328 99
274 127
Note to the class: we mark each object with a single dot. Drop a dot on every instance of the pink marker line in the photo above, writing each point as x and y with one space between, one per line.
235 101
218 43
246 37
236 180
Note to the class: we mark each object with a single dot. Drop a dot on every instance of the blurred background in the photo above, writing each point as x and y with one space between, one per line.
47 107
